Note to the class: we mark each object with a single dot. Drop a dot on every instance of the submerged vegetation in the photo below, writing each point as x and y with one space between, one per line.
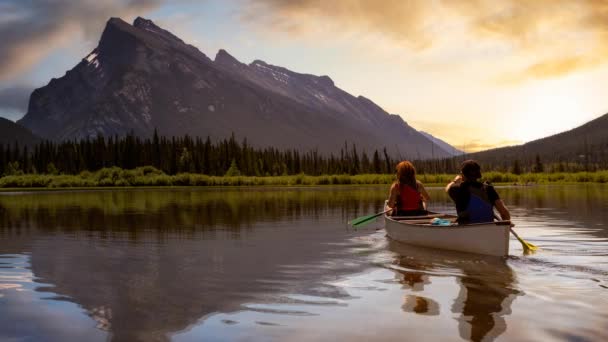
150 176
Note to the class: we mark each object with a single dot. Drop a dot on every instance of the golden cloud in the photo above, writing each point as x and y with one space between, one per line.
546 38
402 21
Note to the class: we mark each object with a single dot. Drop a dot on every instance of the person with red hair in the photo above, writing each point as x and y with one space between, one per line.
407 195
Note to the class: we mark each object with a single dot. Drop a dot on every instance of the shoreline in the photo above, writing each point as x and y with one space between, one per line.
260 186
148 177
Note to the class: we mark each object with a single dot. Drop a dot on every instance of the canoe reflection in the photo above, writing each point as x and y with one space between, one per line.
487 287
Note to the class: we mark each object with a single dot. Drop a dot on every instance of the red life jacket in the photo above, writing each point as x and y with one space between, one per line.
409 198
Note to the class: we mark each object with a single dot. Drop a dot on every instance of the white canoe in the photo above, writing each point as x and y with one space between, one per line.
479 238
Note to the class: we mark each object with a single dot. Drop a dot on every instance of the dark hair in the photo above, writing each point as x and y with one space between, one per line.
406 173
470 169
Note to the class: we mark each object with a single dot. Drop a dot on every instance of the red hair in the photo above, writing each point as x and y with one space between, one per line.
406 173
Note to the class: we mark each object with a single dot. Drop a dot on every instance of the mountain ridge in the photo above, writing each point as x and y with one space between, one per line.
587 143
12 133
141 77
442 144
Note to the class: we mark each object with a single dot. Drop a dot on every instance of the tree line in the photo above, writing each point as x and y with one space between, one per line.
223 157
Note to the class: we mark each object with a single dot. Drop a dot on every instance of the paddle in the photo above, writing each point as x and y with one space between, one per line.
528 247
363 220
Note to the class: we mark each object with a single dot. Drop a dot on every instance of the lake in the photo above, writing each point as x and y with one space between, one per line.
276 264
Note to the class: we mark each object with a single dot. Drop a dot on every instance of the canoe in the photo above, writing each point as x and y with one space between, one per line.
480 238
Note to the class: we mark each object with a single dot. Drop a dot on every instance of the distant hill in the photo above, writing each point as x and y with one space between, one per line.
141 77
451 150
586 143
11 132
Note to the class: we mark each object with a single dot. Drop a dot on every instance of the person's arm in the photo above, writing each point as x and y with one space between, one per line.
457 180
502 209
422 190
392 197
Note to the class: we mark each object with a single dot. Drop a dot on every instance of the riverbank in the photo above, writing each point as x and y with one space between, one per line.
151 177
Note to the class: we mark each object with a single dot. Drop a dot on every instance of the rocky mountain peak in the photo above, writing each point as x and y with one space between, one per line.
144 23
259 62
149 26
326 80
224 58
141 77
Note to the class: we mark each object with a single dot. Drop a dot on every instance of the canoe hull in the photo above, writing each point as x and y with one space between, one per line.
486 239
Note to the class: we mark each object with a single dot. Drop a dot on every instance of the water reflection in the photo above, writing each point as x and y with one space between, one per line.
143 265
487 287
484 300
178 210
420 305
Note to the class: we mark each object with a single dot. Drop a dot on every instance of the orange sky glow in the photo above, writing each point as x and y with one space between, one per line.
476 73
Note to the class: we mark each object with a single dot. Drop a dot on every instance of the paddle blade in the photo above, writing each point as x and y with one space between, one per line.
528 247
363 220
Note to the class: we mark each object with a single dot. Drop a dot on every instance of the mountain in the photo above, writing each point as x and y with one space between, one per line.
451 150
586 143
11 132
141 77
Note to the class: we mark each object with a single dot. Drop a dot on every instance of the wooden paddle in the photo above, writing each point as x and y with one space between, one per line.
363 220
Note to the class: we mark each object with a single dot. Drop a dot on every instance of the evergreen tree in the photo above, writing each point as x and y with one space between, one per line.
538 166
233 170
387 161
377 166
516 169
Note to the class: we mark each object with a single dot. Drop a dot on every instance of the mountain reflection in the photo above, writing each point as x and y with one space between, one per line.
144 265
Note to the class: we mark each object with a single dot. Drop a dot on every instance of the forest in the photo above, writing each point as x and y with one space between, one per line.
229 157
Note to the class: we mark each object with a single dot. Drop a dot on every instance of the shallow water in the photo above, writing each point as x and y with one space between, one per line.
281 264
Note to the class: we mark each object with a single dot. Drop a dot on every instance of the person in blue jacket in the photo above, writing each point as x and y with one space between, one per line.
475 201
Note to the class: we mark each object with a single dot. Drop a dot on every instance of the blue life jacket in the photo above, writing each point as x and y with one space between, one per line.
479 209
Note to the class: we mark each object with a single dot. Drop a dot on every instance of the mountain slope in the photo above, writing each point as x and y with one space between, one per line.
11 132
141 77
586 143
442 144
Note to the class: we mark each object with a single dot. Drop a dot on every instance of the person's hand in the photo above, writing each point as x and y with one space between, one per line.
457 179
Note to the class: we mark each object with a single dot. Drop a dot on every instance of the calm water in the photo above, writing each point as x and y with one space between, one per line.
281 264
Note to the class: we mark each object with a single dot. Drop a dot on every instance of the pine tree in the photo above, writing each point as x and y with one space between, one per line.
233 170
538 166
377 166
516 170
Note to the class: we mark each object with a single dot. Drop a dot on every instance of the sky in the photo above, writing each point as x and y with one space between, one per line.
477 74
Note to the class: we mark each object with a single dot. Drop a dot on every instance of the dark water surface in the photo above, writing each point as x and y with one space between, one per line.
259 264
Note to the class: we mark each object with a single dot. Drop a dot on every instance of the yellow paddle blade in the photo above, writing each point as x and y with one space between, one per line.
528 247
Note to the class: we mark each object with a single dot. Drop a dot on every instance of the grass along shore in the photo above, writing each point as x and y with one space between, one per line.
150 177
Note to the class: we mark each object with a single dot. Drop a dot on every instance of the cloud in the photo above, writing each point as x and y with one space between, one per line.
544 38
553 67
30 30
407 22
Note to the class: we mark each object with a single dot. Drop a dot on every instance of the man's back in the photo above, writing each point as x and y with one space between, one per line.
474 201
